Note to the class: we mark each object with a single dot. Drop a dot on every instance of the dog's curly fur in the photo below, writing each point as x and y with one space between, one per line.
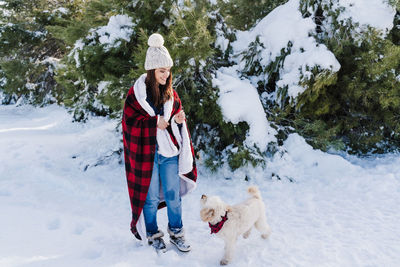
241 219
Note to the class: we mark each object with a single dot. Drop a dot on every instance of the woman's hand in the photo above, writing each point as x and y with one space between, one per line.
180 117
162 124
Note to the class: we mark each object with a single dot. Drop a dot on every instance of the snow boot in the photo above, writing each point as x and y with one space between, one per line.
157 241
178 240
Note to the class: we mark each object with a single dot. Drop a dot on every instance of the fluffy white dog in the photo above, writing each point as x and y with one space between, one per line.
229 222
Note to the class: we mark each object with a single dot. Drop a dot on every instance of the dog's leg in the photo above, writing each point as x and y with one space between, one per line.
247 233
263 227
229 250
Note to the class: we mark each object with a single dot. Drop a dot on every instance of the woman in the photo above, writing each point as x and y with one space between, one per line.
159 158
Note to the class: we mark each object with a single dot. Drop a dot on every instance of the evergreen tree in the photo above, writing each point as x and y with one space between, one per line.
94 72
27 49
244 14
64 51
356 109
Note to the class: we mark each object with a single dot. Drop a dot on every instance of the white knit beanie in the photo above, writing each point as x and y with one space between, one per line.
157 55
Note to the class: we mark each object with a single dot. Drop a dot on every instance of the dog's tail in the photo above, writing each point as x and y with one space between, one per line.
253 190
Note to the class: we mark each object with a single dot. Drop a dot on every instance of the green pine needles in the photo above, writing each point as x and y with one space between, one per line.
356 109
64 52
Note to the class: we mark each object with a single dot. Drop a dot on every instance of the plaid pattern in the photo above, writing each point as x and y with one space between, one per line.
139 138
216 227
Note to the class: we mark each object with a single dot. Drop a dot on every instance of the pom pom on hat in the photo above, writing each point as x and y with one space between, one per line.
157 55
155 40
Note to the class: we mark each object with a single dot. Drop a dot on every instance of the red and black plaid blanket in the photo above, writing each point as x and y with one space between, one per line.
139 137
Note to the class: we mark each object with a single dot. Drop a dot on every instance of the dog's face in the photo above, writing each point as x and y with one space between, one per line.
212 208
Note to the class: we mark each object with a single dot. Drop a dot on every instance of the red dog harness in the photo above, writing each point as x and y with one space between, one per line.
216 227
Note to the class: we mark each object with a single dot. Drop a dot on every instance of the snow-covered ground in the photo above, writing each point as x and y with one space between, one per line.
58 209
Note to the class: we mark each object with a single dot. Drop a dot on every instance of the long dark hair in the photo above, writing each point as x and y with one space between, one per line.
162 93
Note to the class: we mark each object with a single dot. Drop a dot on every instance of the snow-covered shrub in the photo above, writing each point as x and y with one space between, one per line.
356 106
103 55
325 69
27 52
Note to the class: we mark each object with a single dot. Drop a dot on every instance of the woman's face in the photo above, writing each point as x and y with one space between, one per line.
162 75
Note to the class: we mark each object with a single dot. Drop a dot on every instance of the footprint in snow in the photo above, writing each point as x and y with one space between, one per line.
4 193
54 224
80 228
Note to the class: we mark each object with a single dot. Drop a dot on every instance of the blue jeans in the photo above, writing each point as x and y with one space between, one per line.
165 171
